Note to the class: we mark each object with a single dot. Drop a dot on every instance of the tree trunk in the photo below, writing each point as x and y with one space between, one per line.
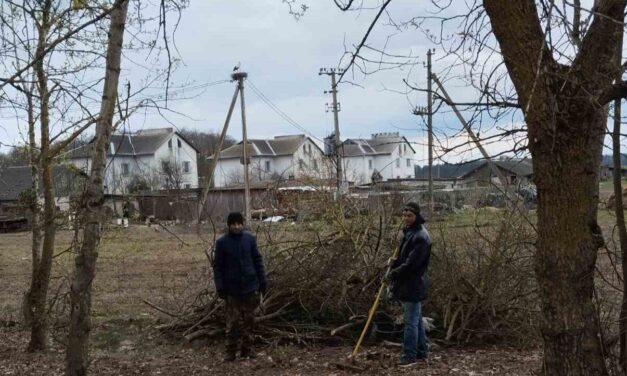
568 241
622 231
28 305
566 126
77 356
38 292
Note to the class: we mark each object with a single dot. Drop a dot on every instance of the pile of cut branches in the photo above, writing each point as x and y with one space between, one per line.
323 276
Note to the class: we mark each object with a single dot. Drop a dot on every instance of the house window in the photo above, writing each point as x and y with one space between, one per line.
305 149
408 162
370 164
309 147
301 164
405 148
315 164
398 163
178 142
186 166
188 186
125 169
267 166
165 166
170 144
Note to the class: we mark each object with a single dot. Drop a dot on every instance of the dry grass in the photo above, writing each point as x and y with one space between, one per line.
134 264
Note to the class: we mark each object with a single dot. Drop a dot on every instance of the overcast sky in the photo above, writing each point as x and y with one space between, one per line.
283 56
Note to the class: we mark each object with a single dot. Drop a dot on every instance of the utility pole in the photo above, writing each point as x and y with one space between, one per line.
429 112
335 107
240 76
216 155
430 131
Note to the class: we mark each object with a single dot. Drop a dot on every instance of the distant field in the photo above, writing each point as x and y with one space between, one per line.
134 264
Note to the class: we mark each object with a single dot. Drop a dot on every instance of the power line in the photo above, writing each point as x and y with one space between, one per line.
280 112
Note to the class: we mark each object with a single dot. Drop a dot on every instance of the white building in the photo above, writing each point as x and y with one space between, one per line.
290 157
151 158
387 154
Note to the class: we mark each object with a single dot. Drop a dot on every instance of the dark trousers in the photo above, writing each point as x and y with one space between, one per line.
240 321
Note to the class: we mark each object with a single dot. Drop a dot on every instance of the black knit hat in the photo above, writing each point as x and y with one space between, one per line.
412 207
415 208
234 217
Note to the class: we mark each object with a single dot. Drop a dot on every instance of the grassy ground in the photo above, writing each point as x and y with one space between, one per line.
168 268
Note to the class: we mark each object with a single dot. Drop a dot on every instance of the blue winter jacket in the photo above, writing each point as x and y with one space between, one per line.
409 270
237 264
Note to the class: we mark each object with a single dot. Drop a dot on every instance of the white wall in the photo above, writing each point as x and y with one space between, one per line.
178 155
230 171
147 167
357 168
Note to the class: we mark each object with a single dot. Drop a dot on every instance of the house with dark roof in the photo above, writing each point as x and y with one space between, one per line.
282 157
517 172
153 158
384 156
14 181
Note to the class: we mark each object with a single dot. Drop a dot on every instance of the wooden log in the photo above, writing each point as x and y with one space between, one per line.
346 326
203 333
162 310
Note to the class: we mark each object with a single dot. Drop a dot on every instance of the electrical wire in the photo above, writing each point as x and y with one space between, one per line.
280 112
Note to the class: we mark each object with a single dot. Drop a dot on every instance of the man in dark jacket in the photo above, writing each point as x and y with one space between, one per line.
408 279
240 278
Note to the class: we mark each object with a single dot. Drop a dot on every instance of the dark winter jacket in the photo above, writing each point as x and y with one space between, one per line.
237 265
409 271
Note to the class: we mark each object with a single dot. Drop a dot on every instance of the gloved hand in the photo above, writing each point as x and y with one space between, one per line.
262 288
390 275
222 294
389 294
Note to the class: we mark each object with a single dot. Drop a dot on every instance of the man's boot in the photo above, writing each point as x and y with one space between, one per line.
231 352
248 353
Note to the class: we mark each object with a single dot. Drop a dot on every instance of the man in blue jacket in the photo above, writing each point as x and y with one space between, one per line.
408 279
240 278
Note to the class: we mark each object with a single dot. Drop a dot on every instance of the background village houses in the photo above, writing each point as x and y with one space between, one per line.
151 159
389 155
291 157
296 157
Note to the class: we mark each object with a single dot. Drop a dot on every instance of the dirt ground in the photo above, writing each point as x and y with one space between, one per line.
168 268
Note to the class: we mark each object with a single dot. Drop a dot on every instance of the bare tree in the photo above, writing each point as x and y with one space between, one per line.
91 210
30 33
53 75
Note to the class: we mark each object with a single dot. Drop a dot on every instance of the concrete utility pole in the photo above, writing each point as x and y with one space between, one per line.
216 156
430 131
240 77
335 107
429 112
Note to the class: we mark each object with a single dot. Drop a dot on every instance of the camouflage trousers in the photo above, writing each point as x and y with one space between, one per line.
240 322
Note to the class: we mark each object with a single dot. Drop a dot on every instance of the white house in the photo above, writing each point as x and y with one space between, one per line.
387 154
282 157
153 158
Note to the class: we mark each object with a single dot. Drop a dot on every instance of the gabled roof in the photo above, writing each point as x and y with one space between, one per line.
519 167
277 146
145 142
379 144
15 180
